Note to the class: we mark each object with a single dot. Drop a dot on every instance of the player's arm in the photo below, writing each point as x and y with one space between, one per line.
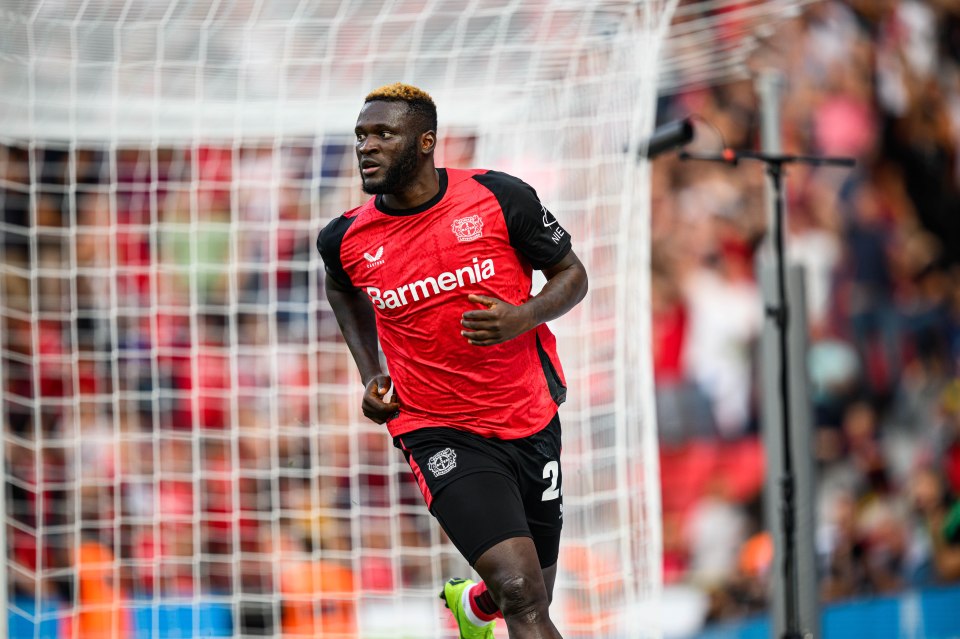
536 235
499 321
358 325
355 316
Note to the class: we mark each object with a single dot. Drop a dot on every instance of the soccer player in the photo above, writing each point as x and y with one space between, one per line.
438 266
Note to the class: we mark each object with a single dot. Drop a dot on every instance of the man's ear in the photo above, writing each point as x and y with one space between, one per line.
428 141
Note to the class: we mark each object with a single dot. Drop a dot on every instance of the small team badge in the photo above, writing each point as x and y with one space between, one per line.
443 462
467 229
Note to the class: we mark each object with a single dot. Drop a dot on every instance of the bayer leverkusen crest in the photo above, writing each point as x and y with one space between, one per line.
443 462
467 229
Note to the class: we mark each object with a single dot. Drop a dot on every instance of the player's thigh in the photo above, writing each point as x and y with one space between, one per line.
479 511
541 486
472 486
441 456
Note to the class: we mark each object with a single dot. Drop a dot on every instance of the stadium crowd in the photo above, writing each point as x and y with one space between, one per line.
879 82
875 80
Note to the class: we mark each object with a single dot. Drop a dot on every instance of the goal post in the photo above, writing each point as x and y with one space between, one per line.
184 449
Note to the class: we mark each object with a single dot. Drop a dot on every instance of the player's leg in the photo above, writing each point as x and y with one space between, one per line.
541 486
512 573
471 487
520 573
483 516
467 485
485 605
479 512
549 580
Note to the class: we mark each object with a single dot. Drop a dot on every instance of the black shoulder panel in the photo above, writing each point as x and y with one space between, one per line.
533 230
328 243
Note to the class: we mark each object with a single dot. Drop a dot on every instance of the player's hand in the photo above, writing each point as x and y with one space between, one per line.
375 406
496 323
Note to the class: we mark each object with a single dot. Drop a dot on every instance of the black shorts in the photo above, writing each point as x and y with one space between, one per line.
485 490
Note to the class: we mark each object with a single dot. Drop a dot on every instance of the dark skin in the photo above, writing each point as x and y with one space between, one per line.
384 130
385 134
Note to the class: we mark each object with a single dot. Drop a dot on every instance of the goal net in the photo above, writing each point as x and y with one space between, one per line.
184 453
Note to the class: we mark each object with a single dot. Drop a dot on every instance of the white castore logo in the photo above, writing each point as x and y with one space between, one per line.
443 462
375 259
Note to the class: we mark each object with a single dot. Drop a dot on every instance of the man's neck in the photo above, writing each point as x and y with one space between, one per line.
419 191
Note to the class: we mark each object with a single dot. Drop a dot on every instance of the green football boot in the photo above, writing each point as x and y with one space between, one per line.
452 596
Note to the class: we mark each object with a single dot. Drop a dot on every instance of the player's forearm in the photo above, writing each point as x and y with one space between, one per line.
566 285
357 322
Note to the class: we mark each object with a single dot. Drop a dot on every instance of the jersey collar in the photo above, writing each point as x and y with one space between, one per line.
383 208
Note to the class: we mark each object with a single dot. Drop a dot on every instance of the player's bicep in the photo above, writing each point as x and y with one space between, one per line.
568 261
334 285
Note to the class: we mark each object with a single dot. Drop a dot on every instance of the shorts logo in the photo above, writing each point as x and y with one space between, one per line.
467 229
443 462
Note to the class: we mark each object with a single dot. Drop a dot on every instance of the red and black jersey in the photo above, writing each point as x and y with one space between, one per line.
483 233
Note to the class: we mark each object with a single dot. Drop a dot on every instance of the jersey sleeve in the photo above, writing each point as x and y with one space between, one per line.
328 243
534 231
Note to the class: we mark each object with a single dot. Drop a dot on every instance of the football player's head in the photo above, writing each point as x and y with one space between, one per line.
395 137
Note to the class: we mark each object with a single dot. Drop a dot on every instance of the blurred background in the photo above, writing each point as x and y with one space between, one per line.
878 80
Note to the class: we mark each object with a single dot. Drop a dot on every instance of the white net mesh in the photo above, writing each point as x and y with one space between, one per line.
184 450
712 42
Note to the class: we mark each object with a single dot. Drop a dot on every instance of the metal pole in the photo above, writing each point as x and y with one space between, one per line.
5 427
769 87
5 608
786 422
780 313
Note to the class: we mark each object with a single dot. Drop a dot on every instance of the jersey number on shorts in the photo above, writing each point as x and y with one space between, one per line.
552 472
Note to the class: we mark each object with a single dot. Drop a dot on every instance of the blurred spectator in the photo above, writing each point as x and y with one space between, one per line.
869 290
100 614
939 515
716 529
319 597
725 319
949 433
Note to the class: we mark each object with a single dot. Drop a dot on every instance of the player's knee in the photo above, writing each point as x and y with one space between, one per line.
523 598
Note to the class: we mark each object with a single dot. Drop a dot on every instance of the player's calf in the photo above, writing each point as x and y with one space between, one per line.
513 574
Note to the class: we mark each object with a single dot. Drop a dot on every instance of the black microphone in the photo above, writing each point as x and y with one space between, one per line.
727 156
668 136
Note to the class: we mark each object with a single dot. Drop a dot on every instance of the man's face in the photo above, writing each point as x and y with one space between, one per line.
387 147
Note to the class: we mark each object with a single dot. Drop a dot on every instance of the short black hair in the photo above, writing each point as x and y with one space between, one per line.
419 102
